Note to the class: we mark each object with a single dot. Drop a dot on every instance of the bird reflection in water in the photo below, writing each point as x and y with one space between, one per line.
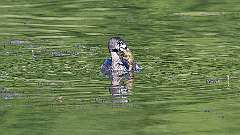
120 87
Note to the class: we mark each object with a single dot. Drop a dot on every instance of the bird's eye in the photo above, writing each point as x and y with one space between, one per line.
120 43
115 50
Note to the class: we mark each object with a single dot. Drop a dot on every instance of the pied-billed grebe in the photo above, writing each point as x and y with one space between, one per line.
121 58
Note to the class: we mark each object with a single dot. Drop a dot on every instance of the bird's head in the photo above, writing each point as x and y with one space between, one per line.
116 44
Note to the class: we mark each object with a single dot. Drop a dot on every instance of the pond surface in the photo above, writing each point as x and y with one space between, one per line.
51 52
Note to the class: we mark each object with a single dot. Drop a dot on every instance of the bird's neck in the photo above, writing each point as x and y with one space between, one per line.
115 60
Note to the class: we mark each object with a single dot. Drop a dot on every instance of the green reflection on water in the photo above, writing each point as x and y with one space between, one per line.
51 53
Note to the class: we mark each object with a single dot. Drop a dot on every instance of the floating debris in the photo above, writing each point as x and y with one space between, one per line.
63 53
15 42
59 99
217 80
7 94
212 81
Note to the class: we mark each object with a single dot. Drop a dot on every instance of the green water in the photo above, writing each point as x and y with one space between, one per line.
51 52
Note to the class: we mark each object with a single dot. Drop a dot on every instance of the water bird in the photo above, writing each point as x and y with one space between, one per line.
121 61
